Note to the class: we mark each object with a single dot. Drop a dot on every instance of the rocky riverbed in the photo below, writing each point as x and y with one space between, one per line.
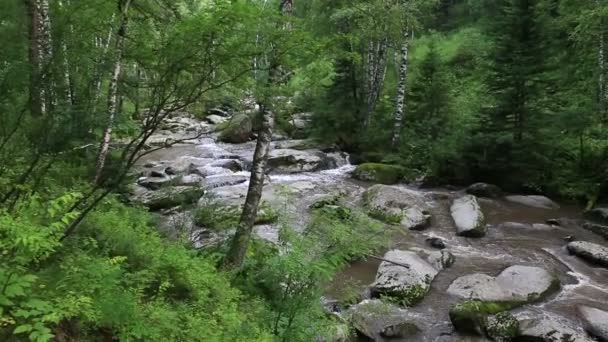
468 265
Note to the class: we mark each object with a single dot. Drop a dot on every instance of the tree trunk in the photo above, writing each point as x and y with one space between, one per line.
602 88
376 71
240 241
113 89
400 103
39 35
104 45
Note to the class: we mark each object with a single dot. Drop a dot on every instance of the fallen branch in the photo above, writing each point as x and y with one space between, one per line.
386 260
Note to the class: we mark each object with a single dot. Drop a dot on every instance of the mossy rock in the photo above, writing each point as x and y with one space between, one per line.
172 197
502 327
237 130
266 214
472 316
379 173
389 215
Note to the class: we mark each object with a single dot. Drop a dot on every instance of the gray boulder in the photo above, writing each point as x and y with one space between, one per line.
597 215
406 276
468 217
596 322
599 229
484 190
215 119
167 197
535 201
237 130
536 325
516 284
223 180
589 251
397 205
380 321
294 161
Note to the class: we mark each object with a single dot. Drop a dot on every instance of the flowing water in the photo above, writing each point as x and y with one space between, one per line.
539 245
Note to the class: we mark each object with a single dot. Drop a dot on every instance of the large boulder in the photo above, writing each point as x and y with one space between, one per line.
379 173
486 295
589 251
299 125
596 322
294 161
537 325
468 217
168 197
484 190
406 276
397 205
597 215
535 201
238 130
599 229
379 321
516 284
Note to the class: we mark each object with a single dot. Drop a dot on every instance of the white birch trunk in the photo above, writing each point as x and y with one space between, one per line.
400 103
113 91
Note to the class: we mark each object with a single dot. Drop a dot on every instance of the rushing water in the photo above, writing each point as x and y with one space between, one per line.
538 245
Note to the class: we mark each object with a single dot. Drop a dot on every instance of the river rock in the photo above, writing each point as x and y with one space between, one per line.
185 164
484 190
536 325
597 215
535 201
237 130
596 322
294 161
233 165
223 180
379 173
215 119
468 217
379 321
516 284
155 183
589 251
407 278
168 197
300 124
397 205
599 229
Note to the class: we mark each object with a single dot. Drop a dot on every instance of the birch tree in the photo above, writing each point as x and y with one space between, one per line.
123 8
240 241
401 91
40 53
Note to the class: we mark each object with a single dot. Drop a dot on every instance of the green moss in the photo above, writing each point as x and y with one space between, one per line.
408 297
170 197
326 201
379 173
266 214
471 316
502 327
386 216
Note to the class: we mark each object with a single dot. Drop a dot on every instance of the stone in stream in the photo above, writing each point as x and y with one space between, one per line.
397 205
379 321
592 252
185 164
155 183
599 229
537 325
237 130
484 190
597 215
379 173
436 243
167 197
406 276
221 181
486 295
468 217
596 321
294 161
535 201
215 119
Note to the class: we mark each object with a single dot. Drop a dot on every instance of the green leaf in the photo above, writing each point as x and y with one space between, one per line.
23 329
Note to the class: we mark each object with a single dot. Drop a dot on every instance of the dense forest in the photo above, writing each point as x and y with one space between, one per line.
212 170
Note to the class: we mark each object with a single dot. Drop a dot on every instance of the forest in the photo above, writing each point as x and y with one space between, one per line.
304 170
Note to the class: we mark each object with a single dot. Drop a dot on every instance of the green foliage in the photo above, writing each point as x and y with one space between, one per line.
379 173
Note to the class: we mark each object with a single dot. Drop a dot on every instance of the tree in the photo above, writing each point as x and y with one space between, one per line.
40 54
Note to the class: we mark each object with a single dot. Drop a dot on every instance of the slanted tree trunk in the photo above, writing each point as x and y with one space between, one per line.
40 53
400 103
240 241
113 97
